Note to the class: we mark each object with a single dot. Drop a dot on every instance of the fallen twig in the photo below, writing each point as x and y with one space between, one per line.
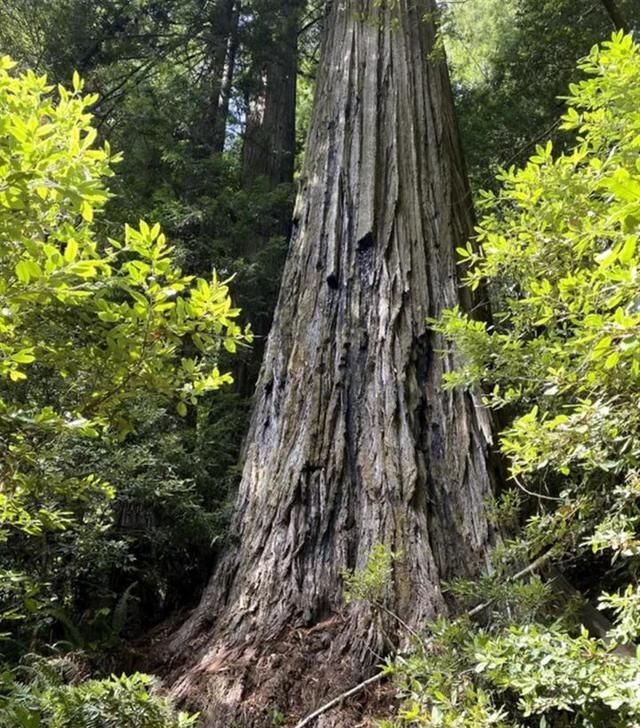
332 703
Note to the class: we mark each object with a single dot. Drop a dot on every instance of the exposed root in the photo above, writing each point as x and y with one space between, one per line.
284 682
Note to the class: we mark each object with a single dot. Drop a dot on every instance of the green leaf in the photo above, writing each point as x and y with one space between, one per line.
71 250
25 356
23 272
612 360
86 211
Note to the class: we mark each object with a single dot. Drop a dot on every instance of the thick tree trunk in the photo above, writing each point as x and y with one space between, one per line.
353 441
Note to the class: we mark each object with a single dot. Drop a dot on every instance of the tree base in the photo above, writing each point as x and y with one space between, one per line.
281 682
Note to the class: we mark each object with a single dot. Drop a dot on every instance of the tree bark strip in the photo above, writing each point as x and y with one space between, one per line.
353 441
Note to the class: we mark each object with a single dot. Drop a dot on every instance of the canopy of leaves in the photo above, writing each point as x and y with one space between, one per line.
510 62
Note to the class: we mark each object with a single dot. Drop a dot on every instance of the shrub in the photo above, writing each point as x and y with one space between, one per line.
558 246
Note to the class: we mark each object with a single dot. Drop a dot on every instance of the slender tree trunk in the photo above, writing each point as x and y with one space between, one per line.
617 16
269 150
270 136
219 122
221 55
353 440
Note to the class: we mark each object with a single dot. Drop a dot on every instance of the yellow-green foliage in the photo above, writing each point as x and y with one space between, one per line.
559 243
45 701
371 582
88 323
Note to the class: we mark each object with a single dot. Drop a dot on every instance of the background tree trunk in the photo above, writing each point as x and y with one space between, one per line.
221 42
617 16
270 138
353 441
269 149
226 84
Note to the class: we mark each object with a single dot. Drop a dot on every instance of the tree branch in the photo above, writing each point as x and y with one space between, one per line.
617 16
332 703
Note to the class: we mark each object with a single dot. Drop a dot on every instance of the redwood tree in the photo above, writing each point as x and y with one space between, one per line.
221 43
270 136
353 441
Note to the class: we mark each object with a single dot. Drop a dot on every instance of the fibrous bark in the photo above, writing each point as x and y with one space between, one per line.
353 440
